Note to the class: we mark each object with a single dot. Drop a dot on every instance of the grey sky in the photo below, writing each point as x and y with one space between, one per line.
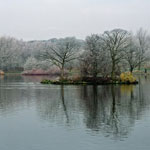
44 19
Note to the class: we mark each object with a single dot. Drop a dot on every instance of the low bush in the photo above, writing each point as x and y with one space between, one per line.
127 77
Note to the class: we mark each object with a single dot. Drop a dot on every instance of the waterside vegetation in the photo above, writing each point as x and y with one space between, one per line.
99 59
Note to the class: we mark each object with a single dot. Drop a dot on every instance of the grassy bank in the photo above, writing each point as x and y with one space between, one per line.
87 81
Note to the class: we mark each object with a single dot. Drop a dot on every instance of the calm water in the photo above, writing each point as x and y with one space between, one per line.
44 117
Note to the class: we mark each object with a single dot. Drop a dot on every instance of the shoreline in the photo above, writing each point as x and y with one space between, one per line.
67 82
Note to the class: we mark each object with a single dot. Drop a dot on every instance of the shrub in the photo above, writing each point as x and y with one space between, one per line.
127 77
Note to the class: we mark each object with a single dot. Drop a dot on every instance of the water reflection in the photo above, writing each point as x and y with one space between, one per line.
113 110
108 110
64 104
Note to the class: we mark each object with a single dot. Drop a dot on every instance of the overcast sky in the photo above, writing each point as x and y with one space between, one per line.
45 19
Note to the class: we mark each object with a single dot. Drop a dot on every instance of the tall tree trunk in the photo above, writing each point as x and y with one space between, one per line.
139 66
113 71
62 72
95 69
131 69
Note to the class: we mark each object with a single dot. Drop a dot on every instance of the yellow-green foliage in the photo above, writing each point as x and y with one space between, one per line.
127 77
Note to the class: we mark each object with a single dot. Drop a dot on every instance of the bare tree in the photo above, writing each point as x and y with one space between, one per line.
94 57
142 42
115 42
132 55
61 52
92 47
10 50
85 64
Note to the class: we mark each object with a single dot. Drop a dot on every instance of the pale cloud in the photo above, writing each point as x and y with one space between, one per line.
44 19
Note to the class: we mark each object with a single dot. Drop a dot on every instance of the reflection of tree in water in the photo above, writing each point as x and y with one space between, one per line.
111 110
64 104
91 107
58 105
12 100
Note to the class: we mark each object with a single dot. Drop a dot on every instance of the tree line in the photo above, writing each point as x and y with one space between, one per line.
106 54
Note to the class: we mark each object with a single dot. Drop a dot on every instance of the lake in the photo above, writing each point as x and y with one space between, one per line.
43 117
